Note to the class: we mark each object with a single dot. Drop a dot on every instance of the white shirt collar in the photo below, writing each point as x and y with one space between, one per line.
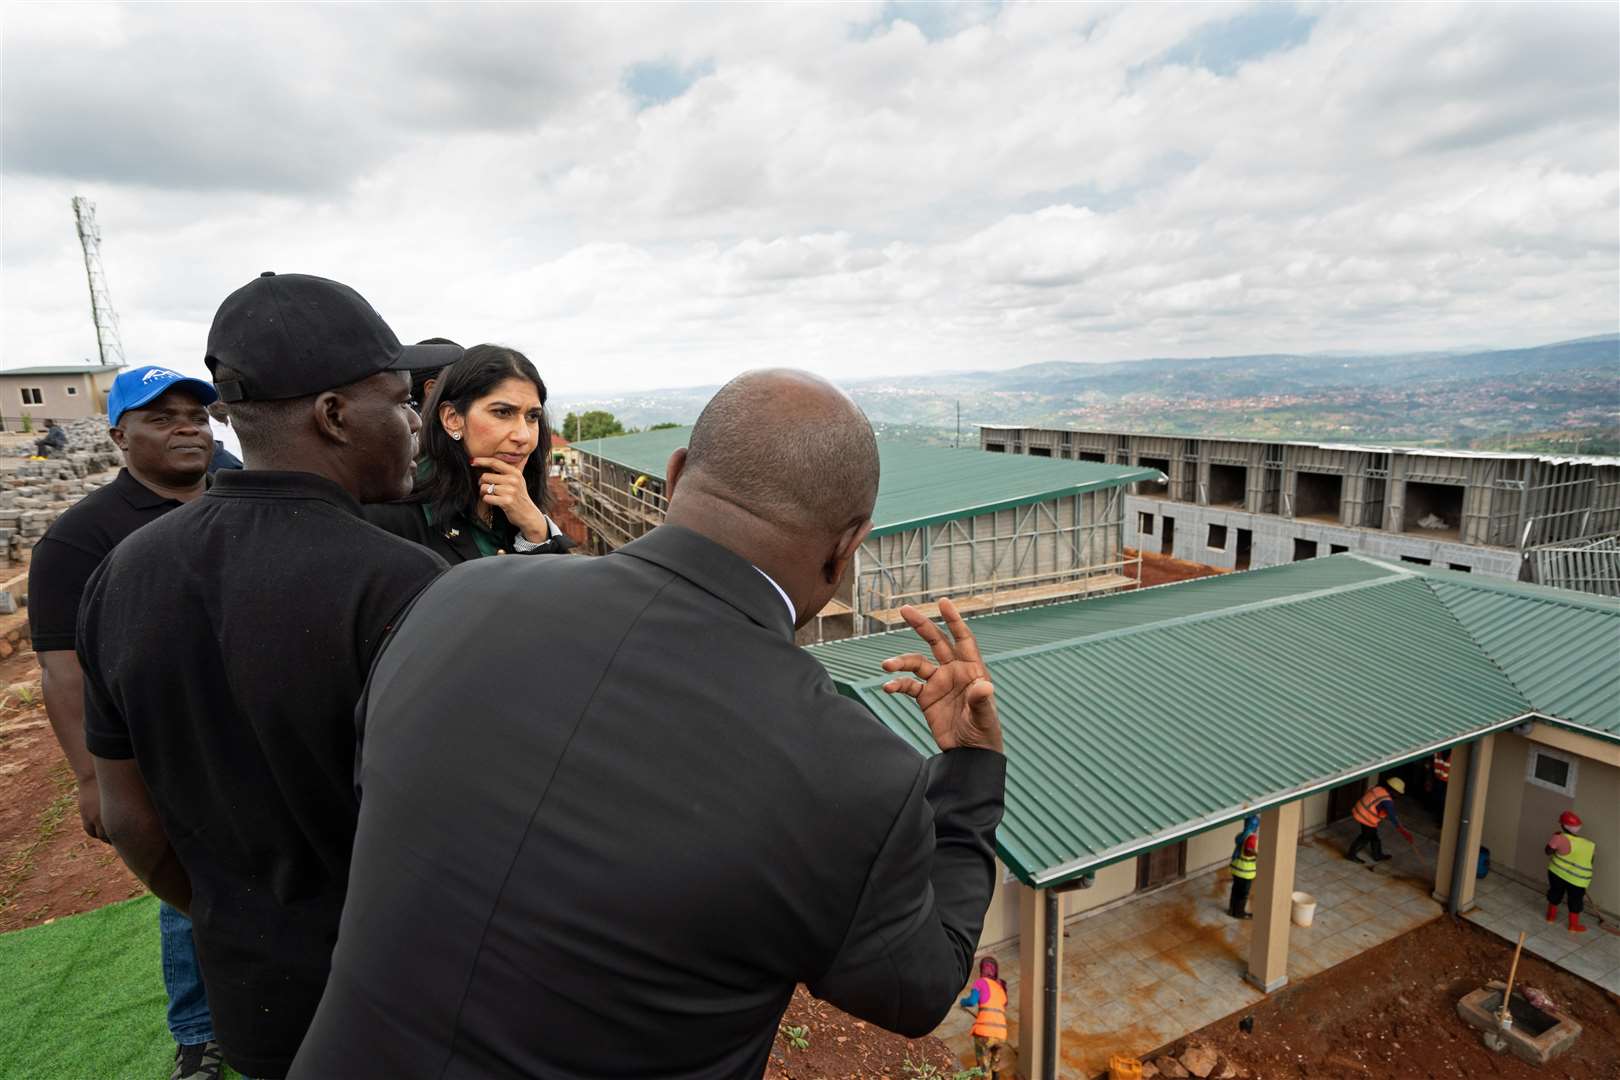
793 616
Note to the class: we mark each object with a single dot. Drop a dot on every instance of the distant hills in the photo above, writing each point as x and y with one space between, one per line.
1555 392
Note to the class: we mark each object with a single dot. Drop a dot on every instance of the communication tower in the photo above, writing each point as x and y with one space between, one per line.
101 309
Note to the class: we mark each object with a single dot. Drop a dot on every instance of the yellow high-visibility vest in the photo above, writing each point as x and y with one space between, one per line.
1244 866
1576 867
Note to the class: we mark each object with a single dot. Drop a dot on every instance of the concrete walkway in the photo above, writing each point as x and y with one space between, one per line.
1154 969
1507 907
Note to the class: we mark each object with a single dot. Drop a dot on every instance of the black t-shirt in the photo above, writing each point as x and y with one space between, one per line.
225 647
74 546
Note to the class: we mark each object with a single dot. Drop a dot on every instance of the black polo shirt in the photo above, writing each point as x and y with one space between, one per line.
74 546
225 647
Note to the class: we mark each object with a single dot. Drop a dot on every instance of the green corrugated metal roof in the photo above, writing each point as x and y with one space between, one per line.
919 485
1134 719
1559 647
855 659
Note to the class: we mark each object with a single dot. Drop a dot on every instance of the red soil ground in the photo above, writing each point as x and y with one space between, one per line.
1392 1012
841 1047
48 866
1162 570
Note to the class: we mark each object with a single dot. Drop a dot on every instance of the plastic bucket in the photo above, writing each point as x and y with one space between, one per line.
1121 1067
1304 908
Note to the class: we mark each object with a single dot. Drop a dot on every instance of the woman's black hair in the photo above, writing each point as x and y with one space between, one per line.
447 484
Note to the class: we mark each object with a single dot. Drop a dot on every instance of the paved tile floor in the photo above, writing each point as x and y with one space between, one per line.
1143 974
1507 907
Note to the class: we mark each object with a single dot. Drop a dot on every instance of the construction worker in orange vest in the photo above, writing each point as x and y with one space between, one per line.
1372 808
1439 776
988 995
1569 870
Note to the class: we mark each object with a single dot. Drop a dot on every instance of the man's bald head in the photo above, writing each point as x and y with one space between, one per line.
789 448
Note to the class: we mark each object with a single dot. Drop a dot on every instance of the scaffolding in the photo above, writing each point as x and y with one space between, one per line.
1590 566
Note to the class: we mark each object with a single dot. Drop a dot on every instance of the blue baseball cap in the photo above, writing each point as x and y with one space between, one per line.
135 388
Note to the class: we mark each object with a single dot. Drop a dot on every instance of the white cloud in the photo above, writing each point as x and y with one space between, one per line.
828 185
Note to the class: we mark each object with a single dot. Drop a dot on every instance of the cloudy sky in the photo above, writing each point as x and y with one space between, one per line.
662 195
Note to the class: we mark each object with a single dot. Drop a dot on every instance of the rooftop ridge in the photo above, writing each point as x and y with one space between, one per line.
1118 633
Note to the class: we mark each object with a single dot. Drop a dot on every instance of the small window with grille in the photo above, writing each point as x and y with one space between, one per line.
1550 770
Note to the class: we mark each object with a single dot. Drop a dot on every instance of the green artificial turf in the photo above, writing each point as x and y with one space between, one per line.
82 998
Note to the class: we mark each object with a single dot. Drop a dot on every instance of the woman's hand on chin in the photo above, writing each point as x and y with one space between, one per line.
501 484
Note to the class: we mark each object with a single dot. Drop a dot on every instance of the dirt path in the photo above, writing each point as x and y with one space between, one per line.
1392 1012
1162 570
839 1047
48 866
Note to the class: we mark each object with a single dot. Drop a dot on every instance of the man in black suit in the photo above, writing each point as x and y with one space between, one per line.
610 814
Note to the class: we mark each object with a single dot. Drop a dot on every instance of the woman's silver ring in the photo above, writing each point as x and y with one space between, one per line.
489 489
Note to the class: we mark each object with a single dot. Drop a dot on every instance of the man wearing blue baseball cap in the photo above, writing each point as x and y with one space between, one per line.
159 420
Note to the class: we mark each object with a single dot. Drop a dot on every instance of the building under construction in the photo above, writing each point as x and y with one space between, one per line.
990 532
1239 503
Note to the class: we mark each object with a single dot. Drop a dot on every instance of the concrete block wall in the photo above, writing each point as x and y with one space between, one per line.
1482 499
1274 539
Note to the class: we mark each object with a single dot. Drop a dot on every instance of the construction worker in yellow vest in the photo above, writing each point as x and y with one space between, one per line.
1373 807
1245 855
1569 870
988 996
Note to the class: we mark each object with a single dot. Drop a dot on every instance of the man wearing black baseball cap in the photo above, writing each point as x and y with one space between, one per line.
225 647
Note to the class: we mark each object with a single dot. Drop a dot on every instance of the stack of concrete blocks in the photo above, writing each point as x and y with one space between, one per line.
35 493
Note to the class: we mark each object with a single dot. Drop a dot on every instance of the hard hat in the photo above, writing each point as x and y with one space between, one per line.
1251 843
1252 822
1570 820
1396 784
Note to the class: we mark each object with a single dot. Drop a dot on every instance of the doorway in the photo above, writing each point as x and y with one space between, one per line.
1245 549
1167 542
1343 798
1161 866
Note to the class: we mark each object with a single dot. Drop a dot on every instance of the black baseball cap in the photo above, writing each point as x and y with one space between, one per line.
291 335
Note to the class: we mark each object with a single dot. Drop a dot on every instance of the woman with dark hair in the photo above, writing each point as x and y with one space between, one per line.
481 482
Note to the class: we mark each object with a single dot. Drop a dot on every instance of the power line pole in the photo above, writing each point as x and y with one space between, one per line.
108 343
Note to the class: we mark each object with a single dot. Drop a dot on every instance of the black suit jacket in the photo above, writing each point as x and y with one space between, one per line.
610 815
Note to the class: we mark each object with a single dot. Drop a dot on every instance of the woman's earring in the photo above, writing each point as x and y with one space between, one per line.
456 435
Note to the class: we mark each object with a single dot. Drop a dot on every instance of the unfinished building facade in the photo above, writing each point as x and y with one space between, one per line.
989 532
1238 503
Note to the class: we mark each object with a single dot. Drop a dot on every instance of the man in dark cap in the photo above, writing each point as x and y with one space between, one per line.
225 645
610 844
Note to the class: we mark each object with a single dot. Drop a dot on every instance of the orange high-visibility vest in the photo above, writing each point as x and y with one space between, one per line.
1442 768
991 1021
1366 808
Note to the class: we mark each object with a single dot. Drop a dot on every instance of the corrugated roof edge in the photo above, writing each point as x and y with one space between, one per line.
1203 581
1179 620
1066 872
1128 476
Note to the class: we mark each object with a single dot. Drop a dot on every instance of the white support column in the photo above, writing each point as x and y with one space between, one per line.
1274 896
1474 811
1032 1033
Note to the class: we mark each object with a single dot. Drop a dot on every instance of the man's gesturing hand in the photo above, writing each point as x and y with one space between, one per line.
953 690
